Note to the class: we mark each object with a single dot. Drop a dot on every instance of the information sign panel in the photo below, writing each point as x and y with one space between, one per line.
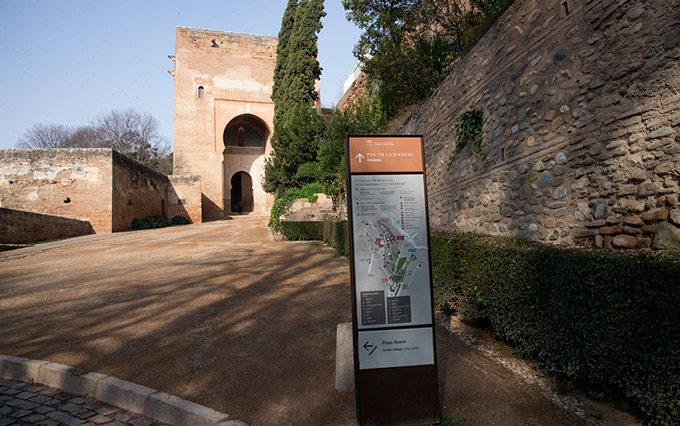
392 313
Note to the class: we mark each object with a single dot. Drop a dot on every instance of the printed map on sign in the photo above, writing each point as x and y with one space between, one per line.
390 250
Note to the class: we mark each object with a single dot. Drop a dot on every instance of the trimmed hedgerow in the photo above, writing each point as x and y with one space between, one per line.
608 323
302 230
336 235
333 233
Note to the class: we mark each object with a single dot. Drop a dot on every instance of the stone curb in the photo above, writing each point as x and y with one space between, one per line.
126 395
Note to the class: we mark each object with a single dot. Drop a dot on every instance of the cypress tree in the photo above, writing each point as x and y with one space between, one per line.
298 128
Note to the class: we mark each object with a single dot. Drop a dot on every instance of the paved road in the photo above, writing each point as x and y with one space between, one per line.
23 404
222 315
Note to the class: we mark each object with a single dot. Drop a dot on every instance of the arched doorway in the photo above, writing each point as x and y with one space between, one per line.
241 193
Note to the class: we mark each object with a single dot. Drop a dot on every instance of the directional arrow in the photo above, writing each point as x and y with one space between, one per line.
359 156
370 348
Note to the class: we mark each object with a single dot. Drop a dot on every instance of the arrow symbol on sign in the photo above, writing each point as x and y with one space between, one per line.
370 348
359 157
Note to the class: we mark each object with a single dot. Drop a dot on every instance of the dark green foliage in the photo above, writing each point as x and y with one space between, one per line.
298 128
298 140
149 222
336 235
180 220
469 132
308 173
410 72
283 201
605 322
453 421
333 233
303 231
407 45
366 116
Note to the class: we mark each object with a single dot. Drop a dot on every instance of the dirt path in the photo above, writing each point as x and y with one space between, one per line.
220 314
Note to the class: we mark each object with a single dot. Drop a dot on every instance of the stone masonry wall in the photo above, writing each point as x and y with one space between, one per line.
99 187
138 192
70 183
184 198
25 227
581 102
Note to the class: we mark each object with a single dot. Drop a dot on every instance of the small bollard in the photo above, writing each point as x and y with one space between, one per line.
344 358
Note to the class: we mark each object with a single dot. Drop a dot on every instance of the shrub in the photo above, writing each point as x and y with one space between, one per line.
333 233
180 220
149 222
606 322
302 230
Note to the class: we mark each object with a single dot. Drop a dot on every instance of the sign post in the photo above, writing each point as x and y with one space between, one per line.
392 315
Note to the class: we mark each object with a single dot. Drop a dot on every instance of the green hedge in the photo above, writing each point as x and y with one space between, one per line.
333 233
302 230
157 221
609 323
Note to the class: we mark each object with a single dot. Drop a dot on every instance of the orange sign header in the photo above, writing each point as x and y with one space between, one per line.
385 154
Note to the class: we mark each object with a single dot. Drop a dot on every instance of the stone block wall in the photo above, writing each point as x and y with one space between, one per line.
184 198
100 187
581 102
25 227
138 192
69 183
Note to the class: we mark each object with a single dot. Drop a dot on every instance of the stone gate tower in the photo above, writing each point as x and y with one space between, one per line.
224 116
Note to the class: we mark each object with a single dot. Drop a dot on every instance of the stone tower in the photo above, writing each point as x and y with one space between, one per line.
224 116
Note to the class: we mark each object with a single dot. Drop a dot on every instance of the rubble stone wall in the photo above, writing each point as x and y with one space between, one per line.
581 102
70 183
24 227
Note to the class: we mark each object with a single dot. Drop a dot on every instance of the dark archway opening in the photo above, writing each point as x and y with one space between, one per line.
241 193
246 131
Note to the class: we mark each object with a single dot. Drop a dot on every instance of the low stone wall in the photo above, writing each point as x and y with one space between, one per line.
100 187
69 183
25 227
581 126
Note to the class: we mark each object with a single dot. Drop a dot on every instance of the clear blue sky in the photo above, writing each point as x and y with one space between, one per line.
65 61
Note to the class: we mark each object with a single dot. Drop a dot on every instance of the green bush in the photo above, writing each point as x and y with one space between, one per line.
608 323
283 202
304 231
149 222
180 220
333 233
336 235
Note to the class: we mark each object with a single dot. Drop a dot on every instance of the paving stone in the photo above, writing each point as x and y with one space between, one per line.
40 399
19 413
106 410
6 421
47 423
33 418
84 413
44 409
14 402
141 422
5 410
28 405
100 419
70 407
